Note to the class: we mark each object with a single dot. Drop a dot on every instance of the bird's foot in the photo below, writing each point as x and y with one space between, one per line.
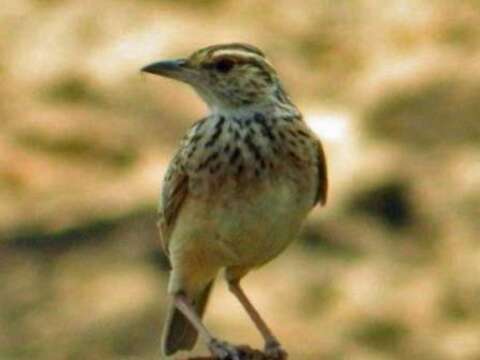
274 350
224 351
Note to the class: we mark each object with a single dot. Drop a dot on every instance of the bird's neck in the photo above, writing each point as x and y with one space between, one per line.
274 109
276 105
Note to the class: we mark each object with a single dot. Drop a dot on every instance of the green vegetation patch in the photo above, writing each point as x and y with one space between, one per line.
439 112
71 90
80 148
380 334
319 240
460 304
318 297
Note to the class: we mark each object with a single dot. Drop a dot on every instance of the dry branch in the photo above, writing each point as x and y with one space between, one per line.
246 353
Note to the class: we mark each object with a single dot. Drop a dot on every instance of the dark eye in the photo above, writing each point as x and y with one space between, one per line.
224 65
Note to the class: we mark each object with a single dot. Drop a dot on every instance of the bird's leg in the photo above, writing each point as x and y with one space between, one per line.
219 349
183 304
272 346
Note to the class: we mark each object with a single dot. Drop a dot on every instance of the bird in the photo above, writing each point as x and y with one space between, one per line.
237 189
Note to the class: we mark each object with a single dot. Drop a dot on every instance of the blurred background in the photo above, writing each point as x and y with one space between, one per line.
390 269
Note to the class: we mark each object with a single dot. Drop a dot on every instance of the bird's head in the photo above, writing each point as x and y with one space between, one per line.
226 76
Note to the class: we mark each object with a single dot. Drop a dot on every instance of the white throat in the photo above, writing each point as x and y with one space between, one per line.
248 111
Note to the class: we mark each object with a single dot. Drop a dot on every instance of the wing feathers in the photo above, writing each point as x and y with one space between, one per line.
322 186
174 192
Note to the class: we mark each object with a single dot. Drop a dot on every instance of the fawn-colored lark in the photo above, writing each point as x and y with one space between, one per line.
237 190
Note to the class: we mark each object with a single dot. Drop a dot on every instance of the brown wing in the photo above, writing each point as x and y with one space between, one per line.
175 187
174 192
322 186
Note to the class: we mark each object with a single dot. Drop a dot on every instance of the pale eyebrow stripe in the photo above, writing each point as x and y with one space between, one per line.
239 47
234 53
247 55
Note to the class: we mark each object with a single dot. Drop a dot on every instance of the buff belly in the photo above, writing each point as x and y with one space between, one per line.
242 230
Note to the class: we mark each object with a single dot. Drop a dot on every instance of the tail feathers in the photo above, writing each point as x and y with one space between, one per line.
179 333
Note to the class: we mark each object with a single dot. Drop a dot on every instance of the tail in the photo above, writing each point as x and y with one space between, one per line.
179 333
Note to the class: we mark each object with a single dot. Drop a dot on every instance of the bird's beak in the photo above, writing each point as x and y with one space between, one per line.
174 69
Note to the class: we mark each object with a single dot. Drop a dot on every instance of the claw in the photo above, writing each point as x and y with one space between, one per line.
223 350
274 350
